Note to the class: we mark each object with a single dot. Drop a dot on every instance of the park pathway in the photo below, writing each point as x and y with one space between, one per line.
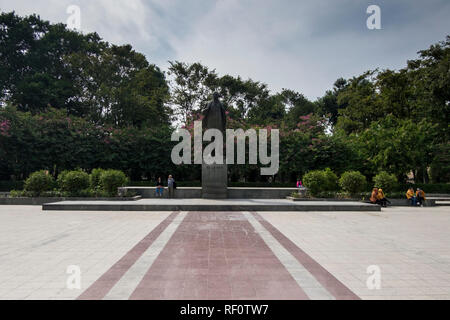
216 256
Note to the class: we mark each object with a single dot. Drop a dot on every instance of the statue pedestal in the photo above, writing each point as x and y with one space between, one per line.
214 181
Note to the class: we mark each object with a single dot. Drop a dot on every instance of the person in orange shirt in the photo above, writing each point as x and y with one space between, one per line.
382 198
411 196
420 195
374 196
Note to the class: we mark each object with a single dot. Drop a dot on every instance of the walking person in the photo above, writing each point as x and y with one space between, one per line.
159 188
171 186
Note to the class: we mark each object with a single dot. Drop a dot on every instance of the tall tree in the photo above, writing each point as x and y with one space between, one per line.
297 105
328 105
119 87
363 104
191 87
33 74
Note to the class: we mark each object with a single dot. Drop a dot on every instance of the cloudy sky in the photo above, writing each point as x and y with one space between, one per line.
301 45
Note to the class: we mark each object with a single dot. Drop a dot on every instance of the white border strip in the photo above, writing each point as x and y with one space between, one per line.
123 289
313 289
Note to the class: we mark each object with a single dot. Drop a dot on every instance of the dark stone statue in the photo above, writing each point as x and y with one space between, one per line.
214 115
214 176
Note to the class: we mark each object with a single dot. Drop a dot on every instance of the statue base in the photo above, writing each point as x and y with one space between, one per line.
214 181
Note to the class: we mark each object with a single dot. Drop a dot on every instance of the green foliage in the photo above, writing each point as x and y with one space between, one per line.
318 181
95 178
53 140
353 182
76 101
193 85
6 186
385 181
75 182
328 106
111 180
440 167
314 181
331 180
60 179
39 182
46 64
20 194
397 146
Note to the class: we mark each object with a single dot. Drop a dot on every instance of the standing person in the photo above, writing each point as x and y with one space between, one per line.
159 188
420 195
299 183
171 185
411 196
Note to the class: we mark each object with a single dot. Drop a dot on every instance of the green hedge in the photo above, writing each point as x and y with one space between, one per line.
353 182
385 181
74 182
428 188
39 182
6 186
111 180
95 178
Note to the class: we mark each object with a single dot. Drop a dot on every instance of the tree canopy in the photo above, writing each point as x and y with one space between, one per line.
72 100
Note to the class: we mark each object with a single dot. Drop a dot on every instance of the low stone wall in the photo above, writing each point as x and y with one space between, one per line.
40 201
405 202
394 202
233 193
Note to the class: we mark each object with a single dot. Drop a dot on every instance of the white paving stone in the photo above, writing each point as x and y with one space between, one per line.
36 247
410 245
131 279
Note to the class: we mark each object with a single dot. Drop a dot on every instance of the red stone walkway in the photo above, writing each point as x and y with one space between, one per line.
218 256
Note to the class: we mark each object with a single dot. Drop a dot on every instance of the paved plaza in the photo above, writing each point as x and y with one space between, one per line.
398 253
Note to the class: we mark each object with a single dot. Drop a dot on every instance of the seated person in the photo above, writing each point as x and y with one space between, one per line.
411 196
383 201
159 188
420 195
374 196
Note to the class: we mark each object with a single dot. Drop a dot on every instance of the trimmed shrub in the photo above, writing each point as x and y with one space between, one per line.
320 181
385 181
39 182
353 182
111 180
331 180
60 179
20 194
95 178
315 181
75 182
